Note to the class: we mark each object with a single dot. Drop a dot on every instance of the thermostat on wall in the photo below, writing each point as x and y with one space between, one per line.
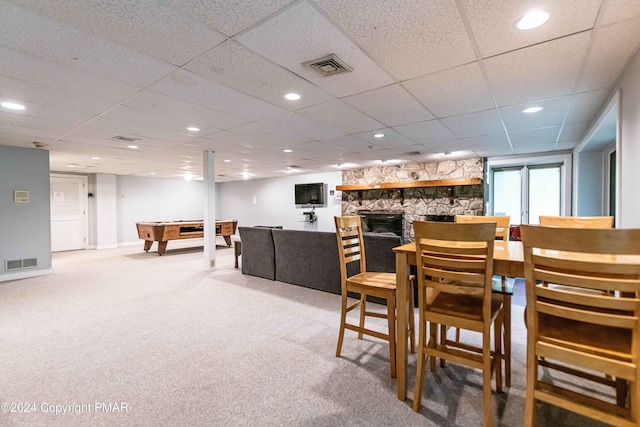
20 196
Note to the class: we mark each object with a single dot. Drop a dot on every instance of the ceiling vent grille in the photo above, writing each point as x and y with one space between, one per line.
328 65
125 138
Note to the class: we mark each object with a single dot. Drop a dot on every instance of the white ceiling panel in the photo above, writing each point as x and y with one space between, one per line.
149 26
391 105
604 64
485 122
586 105
425 132
196 89
619 10
195 114
493 23
452 92
234 66
300 125
574 131
552 115
342 116
409 38
258 135
301 34
543 71
30 33
391 139
534 137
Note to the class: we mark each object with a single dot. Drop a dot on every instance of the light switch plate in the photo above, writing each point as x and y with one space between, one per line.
20 196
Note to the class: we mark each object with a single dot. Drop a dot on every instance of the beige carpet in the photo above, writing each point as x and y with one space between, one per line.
123 337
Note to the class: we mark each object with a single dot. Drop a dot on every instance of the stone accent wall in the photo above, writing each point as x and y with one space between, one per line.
418 202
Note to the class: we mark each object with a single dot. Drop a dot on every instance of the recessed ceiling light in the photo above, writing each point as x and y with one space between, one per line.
287 150
532 20
378 135
245 175
95 158
133 147
193 129
152 173
13 106
188 177
292 96
227 161
71 166
531 110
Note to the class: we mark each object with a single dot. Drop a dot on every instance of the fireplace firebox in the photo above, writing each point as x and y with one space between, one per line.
382 222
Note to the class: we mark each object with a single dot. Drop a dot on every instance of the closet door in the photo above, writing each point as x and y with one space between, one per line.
68 213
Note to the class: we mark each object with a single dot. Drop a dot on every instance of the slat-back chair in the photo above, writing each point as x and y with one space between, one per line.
590 323
455 263
577 221
382 285
502 233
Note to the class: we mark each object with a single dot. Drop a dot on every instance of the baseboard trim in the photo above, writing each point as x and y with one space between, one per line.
25 274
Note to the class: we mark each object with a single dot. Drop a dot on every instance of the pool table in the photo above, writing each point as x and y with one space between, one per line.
163 231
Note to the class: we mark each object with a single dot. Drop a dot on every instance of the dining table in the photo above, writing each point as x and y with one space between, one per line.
508 261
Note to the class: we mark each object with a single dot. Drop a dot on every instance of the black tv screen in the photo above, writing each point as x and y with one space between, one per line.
309 194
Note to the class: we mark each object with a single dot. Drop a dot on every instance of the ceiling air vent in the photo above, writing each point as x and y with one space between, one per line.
413 153
125 138
328 65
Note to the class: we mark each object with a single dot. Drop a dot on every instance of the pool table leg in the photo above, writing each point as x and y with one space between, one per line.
227 240
162 247
147 245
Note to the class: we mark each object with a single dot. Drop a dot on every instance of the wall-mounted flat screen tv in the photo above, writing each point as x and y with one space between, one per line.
309 194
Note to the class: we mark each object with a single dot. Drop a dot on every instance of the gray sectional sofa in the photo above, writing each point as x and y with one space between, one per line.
308 258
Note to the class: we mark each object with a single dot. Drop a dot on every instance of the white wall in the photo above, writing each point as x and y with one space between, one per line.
629 153
154 199
275 202
589 180
106 224
25 228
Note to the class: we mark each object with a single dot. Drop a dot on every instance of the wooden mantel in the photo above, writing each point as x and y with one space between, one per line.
410 184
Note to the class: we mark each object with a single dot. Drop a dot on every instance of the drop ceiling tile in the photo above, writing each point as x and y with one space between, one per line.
485 122
257 135
300 125
541 136
605 64
148 26
493 23
619 10
193 88
585 105
197 115
552 115
346 144
230 16
391 105
300 34
573 132
231 64
452 92
46 38
409 38
391 139
323 147
425 132
45 118
341 116
543 71
34 69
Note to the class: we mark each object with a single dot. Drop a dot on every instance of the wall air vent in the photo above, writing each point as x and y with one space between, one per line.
20 264
125 138
328 65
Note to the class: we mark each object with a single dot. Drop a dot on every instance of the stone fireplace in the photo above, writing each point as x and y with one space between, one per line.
382 222
414 203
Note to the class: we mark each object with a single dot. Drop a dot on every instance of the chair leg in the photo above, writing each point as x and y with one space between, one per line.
433 343
391 313
343 320
412 320
498 351
532 384
443 341
363 309
421 359
486 379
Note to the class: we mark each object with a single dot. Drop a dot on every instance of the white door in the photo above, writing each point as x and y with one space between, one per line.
68 213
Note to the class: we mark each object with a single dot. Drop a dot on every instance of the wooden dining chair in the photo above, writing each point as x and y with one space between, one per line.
364 283
577 221
589 324
502 233
455 265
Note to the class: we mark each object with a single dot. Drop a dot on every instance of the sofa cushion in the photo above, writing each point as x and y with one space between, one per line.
258 252
307 258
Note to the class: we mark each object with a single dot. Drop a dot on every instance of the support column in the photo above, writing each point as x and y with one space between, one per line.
209 197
